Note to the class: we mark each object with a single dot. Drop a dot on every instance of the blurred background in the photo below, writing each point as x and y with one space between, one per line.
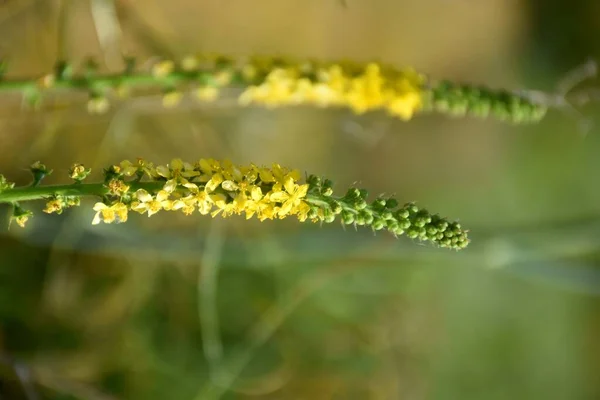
194 308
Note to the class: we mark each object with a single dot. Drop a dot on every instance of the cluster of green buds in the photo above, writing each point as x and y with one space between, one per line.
459 100
220 188
275 82
383 213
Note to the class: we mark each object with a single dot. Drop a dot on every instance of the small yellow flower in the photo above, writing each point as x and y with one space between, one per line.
46 81
223 78
54 206
98 105
141 166
78 172
291 197
213 183
117 187
163 68
207 93
176 172
122 90
249 72
109 214
22 220
20 215
172 99
190 63
150 204
277 173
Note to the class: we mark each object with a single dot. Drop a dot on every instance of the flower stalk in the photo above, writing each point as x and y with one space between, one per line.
274 82
220 188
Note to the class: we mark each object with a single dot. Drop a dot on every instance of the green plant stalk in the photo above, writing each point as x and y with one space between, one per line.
137 80
32 193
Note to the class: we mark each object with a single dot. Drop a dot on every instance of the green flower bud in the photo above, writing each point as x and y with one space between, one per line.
20 215
39 172
412 233
328 216
63 70
313 213
404 224
366 216
391 203
347 217
313 181
4 184
352 194
402 213
431 231
360 205
379 203
336 207
378 224
359 219
387 215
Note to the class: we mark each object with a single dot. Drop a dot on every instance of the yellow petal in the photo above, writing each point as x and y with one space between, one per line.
230 186
279 197
100 206
142 195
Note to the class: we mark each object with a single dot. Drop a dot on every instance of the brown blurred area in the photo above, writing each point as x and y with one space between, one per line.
190 308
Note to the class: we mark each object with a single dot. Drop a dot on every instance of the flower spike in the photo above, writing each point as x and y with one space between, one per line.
221 188
275 82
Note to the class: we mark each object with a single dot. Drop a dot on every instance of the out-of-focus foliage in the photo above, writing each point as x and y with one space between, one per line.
193 308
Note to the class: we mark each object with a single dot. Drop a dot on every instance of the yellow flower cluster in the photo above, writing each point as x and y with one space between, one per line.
360 88
211 187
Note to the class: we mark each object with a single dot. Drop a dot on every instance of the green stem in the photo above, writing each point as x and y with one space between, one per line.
137 80
31 193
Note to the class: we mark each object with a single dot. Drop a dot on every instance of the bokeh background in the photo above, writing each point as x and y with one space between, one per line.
176 307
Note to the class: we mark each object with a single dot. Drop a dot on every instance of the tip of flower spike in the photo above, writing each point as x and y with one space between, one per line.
459 100
383 213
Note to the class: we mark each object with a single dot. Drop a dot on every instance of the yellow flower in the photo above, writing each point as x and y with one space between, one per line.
255 203
213 183
190 63
141 166
163 68
291 197
220 201
78 172
128 168
302 211
172 99
117 187
149 204
54 206
177 172
207 93
46 81
108 214
277 173
98 105
20 216
197 198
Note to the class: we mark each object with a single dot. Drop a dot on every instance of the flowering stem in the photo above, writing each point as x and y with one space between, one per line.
220 188
275 82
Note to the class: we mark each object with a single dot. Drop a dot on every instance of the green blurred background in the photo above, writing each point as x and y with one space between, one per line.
193 308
